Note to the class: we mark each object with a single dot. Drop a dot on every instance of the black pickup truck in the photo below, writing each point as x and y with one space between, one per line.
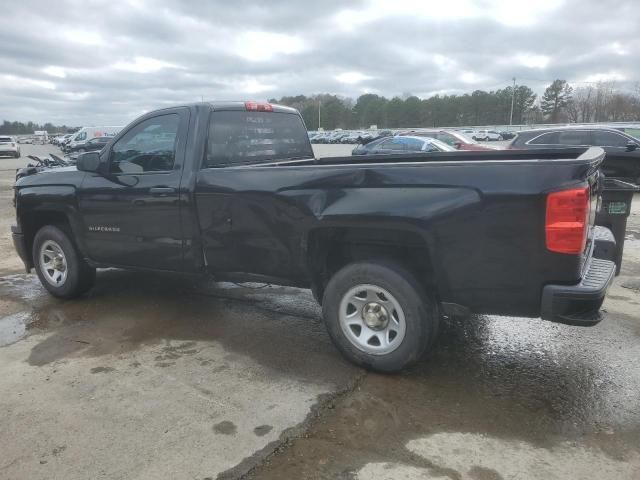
387 244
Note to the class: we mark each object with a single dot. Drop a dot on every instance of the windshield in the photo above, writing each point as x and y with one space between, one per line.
240 138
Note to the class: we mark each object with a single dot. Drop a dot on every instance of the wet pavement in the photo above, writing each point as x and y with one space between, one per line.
165 376
500 398
157 376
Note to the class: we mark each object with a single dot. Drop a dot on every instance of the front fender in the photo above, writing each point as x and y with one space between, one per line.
44 204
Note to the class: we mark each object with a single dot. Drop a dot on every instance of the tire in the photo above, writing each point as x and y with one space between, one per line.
74 276
17 155
387 286
316 292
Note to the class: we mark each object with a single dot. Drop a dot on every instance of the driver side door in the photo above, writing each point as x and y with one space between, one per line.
131 209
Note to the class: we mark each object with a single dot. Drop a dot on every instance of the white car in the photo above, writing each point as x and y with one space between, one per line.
9 146
486 135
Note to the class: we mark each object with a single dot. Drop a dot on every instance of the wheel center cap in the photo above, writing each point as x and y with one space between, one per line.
375 316
58 263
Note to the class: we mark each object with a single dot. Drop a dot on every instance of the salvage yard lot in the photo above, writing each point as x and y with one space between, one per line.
160 376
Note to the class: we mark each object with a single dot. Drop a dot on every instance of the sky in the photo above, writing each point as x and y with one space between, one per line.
104 63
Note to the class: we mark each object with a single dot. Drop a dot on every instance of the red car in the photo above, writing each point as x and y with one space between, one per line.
451 137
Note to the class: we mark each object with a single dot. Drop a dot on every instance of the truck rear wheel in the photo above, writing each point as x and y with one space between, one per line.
378 315
60 267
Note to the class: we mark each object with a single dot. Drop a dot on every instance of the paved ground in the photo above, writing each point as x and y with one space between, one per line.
169 377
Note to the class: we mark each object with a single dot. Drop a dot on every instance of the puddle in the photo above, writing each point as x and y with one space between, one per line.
26 287
13 327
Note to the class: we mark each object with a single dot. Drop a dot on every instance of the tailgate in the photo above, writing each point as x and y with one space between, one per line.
595 180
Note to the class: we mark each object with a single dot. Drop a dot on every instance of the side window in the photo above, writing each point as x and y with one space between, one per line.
415 145
81 136
429 147
603 138
150 146
391 144
446 138
398 143
573 138
546 139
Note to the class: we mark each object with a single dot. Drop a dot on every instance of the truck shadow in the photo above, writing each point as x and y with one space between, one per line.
280 328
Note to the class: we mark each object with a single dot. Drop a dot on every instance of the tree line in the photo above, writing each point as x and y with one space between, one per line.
21 128
560 103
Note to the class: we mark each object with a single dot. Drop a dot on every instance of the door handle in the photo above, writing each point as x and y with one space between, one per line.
161 191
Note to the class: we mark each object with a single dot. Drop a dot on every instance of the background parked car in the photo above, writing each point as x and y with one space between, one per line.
486 135
623 150
507 135
9 146
97 143
402 144
87 133
453 138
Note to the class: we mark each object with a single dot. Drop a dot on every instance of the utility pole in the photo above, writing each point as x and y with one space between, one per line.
513 97
318 114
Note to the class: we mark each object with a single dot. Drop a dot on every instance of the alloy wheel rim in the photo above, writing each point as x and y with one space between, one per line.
372 319
53 263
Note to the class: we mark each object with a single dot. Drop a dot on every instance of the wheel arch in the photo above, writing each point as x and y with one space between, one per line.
329 248
33 216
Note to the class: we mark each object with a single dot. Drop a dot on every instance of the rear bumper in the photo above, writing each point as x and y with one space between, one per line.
579 304
20 244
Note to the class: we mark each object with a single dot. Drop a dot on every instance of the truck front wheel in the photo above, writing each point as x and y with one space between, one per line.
379 316
59 265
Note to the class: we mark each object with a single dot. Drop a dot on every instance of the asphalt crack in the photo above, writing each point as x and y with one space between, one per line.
324 406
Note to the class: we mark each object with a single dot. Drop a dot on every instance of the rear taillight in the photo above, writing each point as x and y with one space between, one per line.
258 107
566 220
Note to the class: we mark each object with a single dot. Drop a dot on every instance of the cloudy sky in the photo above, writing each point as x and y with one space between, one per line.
99 62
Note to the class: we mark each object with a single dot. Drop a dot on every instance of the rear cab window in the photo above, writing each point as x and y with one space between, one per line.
238 137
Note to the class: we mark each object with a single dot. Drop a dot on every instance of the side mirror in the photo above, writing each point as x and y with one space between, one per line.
457 145
631 146
88 162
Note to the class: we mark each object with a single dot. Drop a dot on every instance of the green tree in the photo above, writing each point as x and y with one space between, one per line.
395 113
370 110
555 99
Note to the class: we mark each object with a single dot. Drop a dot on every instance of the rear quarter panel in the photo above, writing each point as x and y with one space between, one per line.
482 222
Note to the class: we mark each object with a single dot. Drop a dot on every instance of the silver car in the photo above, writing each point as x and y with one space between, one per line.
9 146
